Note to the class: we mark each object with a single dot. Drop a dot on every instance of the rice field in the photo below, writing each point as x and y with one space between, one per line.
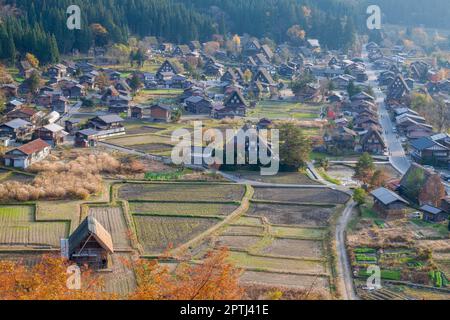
182 209
18 227
112 219
158 234
182 192
301 195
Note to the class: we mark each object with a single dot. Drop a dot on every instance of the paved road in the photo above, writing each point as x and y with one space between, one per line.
344 269
397 156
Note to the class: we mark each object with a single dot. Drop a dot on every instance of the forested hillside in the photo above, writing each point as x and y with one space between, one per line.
40 26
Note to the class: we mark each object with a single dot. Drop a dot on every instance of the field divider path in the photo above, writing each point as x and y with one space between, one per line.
245 205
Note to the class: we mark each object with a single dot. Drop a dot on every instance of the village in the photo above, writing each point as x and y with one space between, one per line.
363 114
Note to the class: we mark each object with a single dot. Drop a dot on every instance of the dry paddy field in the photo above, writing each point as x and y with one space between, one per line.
314 216
301 195
158 234
182 192
182 209
19 228
113 220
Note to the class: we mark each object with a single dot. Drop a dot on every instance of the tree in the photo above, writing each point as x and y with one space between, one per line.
378 179
32 60
102 81
352 89
100 34
176 115
135 82
433 191
364 169
34 82
296 34
295 147
360 196
299 85
248 75
47 280
214 279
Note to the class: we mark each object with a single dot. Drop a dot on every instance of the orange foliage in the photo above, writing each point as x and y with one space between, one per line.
214 279
47 280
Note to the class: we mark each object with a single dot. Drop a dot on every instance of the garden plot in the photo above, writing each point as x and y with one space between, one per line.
182 192
18 227
182 209
113 220
247 261
158 234
285 280
292 214
301 195
295 248
142 129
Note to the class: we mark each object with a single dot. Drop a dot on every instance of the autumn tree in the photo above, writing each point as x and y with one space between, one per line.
34 82
296 34
100 34
32 60
248 75
364 169
214 279
433 191
47 280
378 179
102 81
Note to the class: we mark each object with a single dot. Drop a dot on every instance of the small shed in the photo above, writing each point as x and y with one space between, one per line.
90 244
388 204
433 214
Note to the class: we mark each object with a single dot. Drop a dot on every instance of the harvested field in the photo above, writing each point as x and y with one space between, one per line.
139 140
284 280
292 214
182 209
244 230
143 129
182 192
112 219
17 177
244 260
157 234
295 248
301 195
303 233
60 210
249 221
121 279
238 242
152 147
18 227
280 177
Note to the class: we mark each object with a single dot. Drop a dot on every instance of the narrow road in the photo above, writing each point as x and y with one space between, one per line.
344 269
397 156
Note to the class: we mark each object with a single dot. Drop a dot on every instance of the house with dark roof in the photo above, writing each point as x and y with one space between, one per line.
433 214
167 66
340 139
181 50
388 204
429 152
198 105
106 122
373 142
17 129
233 106
24 156
91 244
52 133
24 113
397 91
161 113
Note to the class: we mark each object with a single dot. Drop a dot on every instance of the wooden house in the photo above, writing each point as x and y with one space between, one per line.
24 156
91 244
161 113
24 113
17 129
53 134
433 214
106 122
198 105
388 204
429 152
373 142
233 106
